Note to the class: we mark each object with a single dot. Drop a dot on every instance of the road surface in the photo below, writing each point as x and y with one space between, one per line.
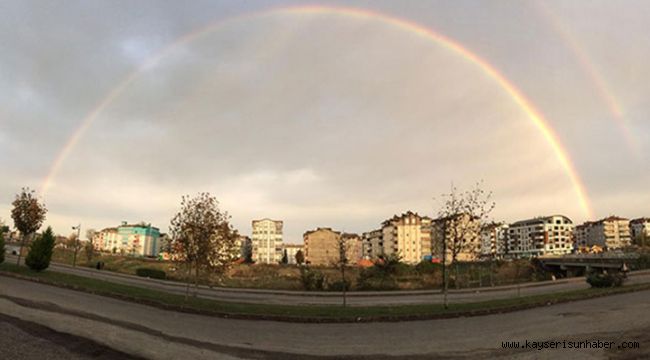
160 334
368 298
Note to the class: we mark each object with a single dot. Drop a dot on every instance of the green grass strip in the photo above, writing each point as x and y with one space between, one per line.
302 313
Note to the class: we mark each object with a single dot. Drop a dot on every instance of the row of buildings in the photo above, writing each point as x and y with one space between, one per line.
411 236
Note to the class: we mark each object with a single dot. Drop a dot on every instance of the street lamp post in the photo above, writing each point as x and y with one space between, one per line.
76 244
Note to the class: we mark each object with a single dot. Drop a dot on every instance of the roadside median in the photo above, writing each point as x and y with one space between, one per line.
302 313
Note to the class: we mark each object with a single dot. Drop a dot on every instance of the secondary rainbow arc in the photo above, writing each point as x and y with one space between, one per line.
362 14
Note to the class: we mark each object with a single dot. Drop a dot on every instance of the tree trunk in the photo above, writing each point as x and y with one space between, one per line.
344 285
187 280
196 280
444 274
22 243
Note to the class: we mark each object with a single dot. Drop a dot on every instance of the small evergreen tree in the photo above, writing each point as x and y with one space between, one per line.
285 258
300 257
2 247
40 252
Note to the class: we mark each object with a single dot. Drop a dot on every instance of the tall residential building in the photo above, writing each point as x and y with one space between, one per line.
494 239
267 241
130 239
610 233
321 246
461 234
291 250
640 231
407 235
550 235
373 246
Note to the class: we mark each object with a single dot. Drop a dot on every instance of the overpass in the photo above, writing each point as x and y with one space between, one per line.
572 265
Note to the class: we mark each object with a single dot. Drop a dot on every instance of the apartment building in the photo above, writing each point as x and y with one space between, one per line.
494 239
355 247
291 250
321 246
610 233
129 239
640 231
463 227
373 246
550 235
267 241
407 235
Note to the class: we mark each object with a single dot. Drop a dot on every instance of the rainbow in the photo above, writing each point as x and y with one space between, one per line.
360 14
589 69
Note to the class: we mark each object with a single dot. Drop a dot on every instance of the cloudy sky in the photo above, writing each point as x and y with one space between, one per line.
339 114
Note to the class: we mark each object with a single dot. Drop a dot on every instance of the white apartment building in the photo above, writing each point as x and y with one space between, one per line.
610 233
550 235
408 235
267 241
494 239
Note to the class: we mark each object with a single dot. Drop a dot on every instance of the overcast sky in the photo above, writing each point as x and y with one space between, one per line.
321 118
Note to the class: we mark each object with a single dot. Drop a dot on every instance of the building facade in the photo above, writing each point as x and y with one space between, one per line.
460 235
407 235
321 246
494 241
129 239
373 246
640 231
354 245
291 250
267 241
610 233
550 235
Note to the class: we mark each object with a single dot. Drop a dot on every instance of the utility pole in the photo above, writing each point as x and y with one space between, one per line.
76 244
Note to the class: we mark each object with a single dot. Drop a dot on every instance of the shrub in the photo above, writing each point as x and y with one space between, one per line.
311 279
376 279
599 280
40 252
151 273
339 285
427 267
2 247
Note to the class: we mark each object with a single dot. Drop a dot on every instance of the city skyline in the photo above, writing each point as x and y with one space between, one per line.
324 115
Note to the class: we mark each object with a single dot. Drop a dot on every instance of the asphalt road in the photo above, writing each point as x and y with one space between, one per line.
30 341
159 334
354 298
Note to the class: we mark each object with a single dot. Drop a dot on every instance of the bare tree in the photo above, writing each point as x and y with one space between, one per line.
202 237
341 262
458 227
89 248
28 215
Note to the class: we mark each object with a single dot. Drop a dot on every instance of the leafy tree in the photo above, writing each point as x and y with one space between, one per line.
40 252
203 238
28 215
458 227
300 257
2 247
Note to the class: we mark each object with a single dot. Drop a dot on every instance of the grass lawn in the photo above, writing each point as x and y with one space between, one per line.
320 313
